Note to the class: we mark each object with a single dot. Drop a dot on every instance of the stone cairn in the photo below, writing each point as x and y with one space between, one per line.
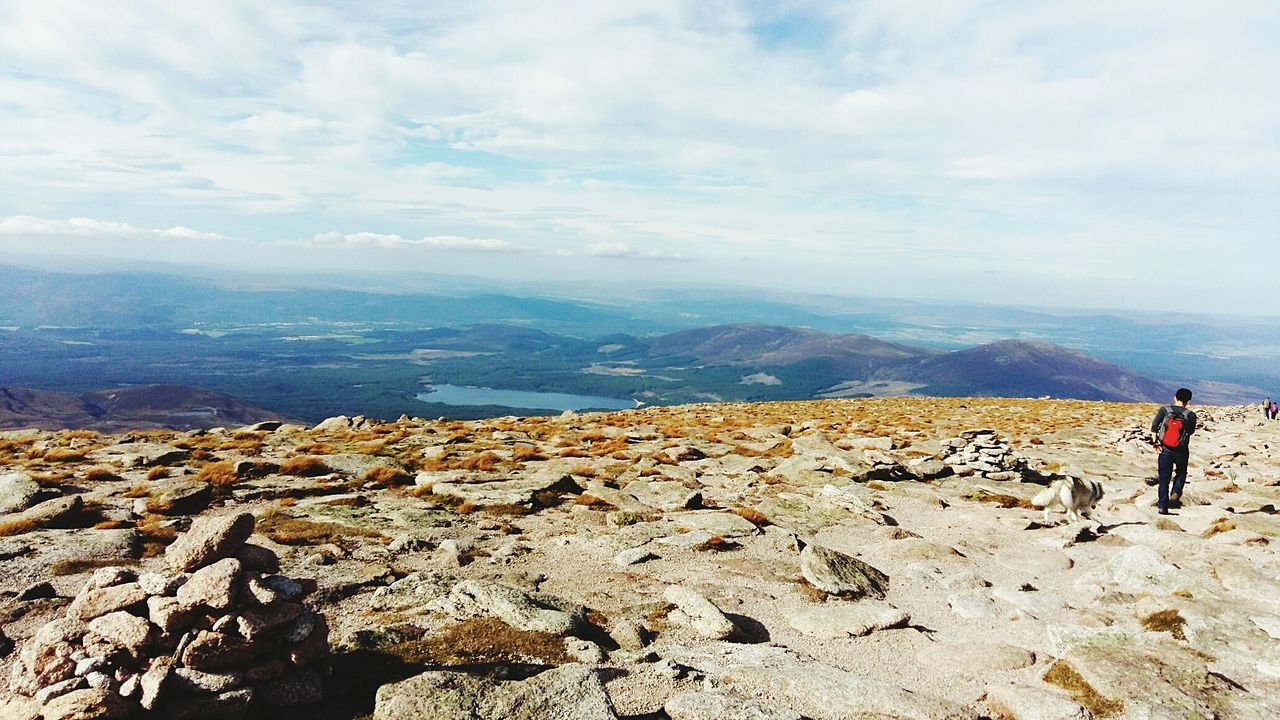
217 636
984 454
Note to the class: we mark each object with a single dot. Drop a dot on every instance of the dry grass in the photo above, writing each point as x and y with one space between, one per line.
289 530
64 455
305 466
1065 677
158 473
384 477
483 641
219 474
526 453
751 515
315 448
136 491
100 474
1220 525
484 462
591 501
1170 621
18 526
155 534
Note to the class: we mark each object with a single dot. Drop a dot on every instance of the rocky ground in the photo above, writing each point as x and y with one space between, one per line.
831 559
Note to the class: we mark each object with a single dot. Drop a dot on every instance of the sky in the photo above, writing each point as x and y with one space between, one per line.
1075 154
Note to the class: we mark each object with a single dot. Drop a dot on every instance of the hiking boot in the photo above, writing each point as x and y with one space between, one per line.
1175 500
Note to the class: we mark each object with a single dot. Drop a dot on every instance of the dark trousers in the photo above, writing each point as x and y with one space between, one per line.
1172 462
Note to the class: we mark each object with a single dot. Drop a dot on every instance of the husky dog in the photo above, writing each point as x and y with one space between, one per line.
1077 496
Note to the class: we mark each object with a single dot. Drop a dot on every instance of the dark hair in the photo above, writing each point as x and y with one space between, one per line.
1183 395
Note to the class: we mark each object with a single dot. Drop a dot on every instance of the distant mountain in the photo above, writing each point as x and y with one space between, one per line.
1013 368
754 343
178 407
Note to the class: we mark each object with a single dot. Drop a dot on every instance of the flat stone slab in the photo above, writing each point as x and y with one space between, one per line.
846 619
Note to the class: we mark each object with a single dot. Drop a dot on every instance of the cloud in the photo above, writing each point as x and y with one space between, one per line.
28 226
1043 138
623 250
439 242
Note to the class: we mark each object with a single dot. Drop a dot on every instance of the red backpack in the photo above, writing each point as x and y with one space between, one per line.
1173 427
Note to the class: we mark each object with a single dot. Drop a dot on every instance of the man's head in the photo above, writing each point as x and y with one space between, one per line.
1183 396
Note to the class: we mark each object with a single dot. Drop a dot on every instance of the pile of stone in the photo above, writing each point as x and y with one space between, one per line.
1135 435
983 453
218 635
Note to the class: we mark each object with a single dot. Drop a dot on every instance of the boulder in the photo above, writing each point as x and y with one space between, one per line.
17 492
568 692
835 573
722 705
519 609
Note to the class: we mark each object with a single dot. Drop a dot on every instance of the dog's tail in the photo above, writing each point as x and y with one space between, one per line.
1045 496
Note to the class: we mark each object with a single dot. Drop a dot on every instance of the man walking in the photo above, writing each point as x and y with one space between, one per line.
1172 428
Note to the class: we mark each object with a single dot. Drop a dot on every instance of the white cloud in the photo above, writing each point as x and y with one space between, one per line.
28 226
1043 139
623 250
439 242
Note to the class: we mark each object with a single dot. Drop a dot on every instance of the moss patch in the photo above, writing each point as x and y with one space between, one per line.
482 641
289 530
1170 621
1065 677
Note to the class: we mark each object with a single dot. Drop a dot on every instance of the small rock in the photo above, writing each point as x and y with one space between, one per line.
214 585
101 601
121 630
630 635
210 539
205 683
584 651
160 584
88 704
704 617
256 557
633 556
59 689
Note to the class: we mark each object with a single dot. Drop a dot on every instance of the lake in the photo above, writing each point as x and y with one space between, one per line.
459 395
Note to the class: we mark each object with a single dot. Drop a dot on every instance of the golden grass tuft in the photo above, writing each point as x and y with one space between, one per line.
1220 525
100 474
64 455
304 466
158 473
526 453
1065 677
384 477
155 534
18 526
484 462
751 515
1170 621
219 474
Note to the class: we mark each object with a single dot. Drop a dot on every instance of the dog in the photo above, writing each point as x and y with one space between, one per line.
1077 496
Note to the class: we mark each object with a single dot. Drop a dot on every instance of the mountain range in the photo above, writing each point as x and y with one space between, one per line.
133 408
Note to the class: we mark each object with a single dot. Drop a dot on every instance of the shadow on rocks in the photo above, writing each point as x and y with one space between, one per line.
749 630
